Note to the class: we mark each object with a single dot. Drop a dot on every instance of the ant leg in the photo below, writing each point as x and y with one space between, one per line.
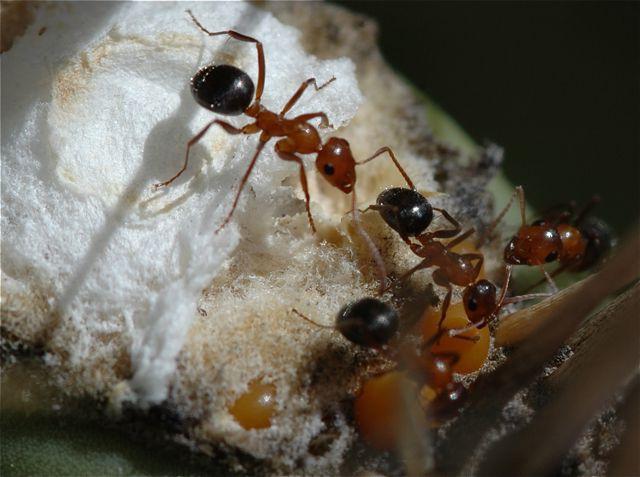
440 279
243 181
503 294
553 274
426 263
287 156
447 233
552 284
324 121
388 150
375 253
445 305
460 238
595 200
475 256
296 96
310 320
226 126
530 296
240 37
379 208
456 332
519 192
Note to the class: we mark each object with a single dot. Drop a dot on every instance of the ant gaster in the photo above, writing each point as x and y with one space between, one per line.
404 210
367 322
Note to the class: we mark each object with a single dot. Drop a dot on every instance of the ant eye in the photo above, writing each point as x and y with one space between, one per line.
329 169
551 257
472 304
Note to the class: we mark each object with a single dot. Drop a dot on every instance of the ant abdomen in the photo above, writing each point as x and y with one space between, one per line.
599 241
223 89
573 244
405 210
368 322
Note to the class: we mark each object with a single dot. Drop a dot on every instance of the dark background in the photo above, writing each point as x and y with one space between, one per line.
556 84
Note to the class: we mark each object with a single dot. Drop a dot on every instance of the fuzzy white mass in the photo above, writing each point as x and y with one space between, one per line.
94 112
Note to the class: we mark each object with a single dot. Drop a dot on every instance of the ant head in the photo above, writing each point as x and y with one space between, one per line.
479 300
533 245
367 322
406 211
599 239
337 165
223 89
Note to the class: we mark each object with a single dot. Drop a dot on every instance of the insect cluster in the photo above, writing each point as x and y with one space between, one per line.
453 341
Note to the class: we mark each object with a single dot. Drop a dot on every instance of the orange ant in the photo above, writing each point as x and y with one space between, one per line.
227 90
555 238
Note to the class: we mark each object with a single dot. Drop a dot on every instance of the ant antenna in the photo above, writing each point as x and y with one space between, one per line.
519 192
310 320
388 150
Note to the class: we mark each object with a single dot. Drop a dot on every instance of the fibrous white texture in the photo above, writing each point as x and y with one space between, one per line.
106 273
97 110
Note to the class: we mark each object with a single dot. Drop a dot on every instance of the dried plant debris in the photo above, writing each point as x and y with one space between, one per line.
127 297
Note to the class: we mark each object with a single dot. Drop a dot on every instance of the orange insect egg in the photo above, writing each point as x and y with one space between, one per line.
255 408
472 354
378 410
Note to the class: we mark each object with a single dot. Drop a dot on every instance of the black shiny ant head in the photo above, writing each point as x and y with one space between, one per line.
368 322
479 300
404 210
223 89
599 241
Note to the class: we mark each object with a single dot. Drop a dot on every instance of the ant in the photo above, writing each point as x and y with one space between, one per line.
227 90
367 322
576 244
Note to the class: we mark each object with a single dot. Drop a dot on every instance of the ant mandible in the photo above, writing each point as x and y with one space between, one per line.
227 90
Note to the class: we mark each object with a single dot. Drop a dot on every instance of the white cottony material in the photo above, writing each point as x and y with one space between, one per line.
97 110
